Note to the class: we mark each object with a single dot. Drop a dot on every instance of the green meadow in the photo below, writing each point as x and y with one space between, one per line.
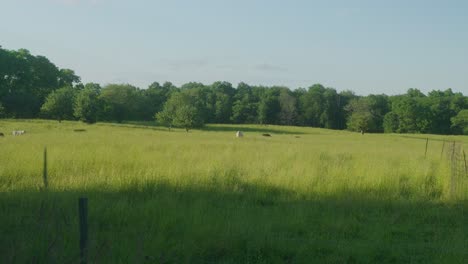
303 195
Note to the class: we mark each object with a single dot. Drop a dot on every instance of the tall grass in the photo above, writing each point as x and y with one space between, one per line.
158 196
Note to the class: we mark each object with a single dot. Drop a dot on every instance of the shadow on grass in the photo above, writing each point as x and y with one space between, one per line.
140 125
234 128
233 223
209 127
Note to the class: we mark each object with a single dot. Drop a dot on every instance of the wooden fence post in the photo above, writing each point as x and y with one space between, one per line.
44 172
427 142
453 161
466 166
442 152
83 214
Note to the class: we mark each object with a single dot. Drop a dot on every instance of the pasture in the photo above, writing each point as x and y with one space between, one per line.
302 195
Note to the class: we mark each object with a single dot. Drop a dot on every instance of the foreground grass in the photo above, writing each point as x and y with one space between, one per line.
302 195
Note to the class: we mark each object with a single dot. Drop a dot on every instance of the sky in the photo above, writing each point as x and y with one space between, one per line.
375 46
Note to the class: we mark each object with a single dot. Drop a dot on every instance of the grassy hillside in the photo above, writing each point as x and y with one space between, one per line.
156 196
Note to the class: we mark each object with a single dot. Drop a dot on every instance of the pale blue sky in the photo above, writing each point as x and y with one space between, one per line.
365 46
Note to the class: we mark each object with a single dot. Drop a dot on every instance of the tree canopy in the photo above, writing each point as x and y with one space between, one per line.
32 86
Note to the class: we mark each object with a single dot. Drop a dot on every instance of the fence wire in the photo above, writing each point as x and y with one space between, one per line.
456 157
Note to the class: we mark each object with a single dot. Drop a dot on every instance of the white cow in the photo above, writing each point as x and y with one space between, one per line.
18 132
239 134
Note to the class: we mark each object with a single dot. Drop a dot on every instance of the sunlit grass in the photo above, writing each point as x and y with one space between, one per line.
209 196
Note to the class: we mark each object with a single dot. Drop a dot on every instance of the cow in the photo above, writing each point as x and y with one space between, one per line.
1 134
18 132
239 134
266 135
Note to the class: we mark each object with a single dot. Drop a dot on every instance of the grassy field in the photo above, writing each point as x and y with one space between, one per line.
303 195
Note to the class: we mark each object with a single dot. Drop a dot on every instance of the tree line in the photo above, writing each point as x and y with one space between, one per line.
33 87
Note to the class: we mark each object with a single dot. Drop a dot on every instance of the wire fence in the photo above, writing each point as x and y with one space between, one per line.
456 156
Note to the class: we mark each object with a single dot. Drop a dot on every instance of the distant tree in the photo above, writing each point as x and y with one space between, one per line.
440 106
181 111
2 111
460 122
312 105
269 108
361 117
288 106
391 123
329 118
244 108
156 95
121 102
343 99
59 104
223 96
68 77
25 81
166 117
413 114
87 104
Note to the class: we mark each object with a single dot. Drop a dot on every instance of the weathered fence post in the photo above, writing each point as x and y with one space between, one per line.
466 166
44 172
442 152
425 152
83 214
453 161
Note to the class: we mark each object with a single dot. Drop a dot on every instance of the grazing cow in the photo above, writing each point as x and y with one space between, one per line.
1 134
239 134
18 132
266 135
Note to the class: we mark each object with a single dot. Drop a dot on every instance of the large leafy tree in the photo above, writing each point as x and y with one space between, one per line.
361 117
156 95
181 111
68 77
26 80
244 108
460 122
87 104
312 105
413 114
59 104
2 111
269 107
121 102
391 122
288 107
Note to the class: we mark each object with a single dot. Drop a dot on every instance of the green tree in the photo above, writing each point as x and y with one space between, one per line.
460 122
391 123
59 104
25 81
361 116
413 114
312 105
288 106
121 102
87 104
223 96
156 95
67 77
244 108
2 111
181 111
269 107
